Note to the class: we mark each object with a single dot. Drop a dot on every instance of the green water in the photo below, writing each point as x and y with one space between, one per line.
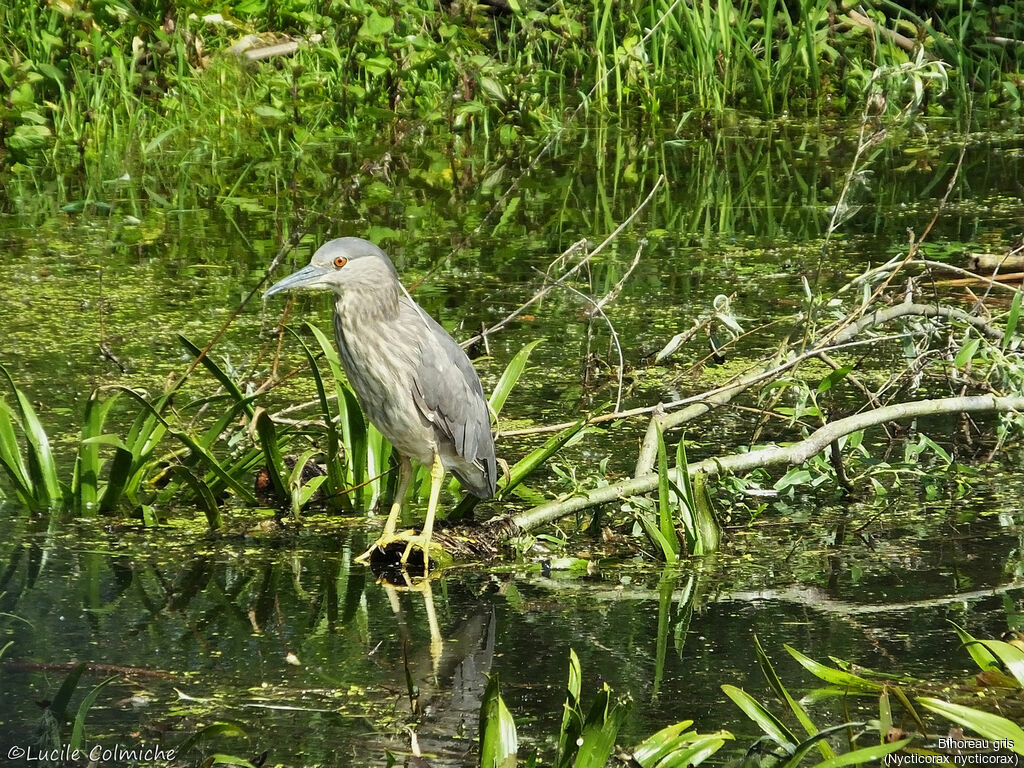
279 633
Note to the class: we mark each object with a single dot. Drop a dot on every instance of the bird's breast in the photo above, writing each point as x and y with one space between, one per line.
381 363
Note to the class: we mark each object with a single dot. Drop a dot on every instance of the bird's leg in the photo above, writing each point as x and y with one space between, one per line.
405 475
423 539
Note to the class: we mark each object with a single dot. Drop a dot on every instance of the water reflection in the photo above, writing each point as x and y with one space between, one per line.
317 662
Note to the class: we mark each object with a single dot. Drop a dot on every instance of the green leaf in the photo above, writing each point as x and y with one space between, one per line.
765 720
833 676
202 495
1012 318
59 703
834 378
375 26
42 470
966 353
864 755
985 724
768 670
981 656
510 377
268 112
275 465
219 374
499 743
78 730
214 730
666 525
522 468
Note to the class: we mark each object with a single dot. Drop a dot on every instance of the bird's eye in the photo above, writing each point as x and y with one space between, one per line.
340 261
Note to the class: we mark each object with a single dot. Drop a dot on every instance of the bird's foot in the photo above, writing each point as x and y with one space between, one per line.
388 547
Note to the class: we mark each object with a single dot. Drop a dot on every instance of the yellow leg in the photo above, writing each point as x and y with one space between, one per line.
405 475
436 478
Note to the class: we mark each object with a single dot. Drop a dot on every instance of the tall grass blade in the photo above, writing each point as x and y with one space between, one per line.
219 374
510 376
599 731
666 524
85 480
671 748
275 466
768 670
42 470
833 676
571 721
77 740
336 486
526 465
300 492
202 496
198 452
364 451
1012 319
765 720
863 755
11 459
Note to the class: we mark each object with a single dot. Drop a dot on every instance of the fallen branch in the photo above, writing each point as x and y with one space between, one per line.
794 454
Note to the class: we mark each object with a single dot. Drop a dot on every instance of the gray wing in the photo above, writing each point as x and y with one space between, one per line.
448 393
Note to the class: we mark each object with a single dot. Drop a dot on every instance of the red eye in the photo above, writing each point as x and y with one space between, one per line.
340 261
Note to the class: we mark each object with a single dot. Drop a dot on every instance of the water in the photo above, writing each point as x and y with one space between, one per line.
277 632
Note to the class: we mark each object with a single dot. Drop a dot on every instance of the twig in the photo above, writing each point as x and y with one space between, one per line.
545 290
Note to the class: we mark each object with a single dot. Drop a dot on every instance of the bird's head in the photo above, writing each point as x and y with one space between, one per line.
341 265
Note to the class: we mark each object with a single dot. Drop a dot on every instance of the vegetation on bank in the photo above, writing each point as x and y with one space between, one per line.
108 87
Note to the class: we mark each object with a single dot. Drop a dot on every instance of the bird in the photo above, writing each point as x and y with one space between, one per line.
412 379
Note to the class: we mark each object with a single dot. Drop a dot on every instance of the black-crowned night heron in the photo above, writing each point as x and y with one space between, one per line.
413 381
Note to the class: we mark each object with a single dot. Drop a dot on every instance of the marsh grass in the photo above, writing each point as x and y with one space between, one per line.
99 92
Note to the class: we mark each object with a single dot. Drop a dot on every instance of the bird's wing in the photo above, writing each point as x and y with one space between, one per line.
448 393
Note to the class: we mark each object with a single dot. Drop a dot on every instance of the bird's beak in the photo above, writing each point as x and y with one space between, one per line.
306 278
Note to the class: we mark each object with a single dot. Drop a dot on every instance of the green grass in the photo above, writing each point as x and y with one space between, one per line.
98 91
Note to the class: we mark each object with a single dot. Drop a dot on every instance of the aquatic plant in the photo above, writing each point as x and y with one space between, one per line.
586 737
843 681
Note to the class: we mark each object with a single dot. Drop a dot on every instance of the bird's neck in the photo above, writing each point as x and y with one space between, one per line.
368 303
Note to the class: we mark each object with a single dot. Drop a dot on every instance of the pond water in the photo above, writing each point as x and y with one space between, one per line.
279 633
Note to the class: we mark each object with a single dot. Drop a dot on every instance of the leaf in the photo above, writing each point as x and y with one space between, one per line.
268 112
499 743
765 720
966 353
42 470
275 465
864 755
981 656
1012 318
522 468
666 525
985 724
59 703
834 676
219 374
375 26
78 730
834 378
211 731
510 377
768 670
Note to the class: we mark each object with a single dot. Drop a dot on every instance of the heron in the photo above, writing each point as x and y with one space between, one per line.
412 379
